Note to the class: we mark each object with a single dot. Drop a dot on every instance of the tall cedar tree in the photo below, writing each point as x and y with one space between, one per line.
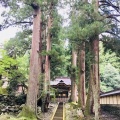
73 76
35 62
48 48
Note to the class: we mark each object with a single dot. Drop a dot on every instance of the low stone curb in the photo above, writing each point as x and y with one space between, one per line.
54 111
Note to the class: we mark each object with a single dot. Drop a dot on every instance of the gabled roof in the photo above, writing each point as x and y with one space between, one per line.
58 80
113 92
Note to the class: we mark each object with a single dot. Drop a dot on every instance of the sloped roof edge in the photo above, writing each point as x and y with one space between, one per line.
113 92
65 80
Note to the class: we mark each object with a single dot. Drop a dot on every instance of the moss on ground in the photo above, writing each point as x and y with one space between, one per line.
7 117
10 117
27 114
1 83
3 91
73 112
74 105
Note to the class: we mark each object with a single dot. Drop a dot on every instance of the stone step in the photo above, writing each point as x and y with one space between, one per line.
59 113
58 118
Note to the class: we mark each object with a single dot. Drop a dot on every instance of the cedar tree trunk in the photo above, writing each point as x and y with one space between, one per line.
35 63
47 58
89 101
73 78
94 71
81 83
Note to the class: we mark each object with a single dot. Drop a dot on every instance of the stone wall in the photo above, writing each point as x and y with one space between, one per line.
11 104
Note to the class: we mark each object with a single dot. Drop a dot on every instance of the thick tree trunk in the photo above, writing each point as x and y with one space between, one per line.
95 70
73 78
35 63
89 101
81 84
40 87
48 48
47 58
95 77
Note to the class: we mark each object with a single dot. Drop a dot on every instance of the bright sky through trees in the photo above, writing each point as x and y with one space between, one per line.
10 32
7 33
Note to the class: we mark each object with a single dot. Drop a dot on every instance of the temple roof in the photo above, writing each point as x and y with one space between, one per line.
58 80
113 92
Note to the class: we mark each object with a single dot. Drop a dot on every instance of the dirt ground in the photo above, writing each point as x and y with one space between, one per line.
110 112
108 116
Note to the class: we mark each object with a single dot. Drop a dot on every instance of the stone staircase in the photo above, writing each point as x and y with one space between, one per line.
59 113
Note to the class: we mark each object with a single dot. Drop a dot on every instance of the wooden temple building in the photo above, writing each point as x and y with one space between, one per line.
111 97
63 88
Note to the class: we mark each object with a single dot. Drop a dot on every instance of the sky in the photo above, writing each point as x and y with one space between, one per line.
7 33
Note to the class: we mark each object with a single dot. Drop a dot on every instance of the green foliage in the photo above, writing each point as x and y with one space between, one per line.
19 74
1 83
20 44
78 34
23 65
56 26
86 24
6 62
53 93
108 57
41 2
112 38
3 91
74 105
50 53
14 16
15 69
15 59
23 16
109 70
111 78
59 61
112 44
72 71
58 54
58 57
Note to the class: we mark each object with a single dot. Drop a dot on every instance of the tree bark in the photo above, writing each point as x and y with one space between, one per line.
47 58
81 83
94 70
89 101
35 63
73 78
